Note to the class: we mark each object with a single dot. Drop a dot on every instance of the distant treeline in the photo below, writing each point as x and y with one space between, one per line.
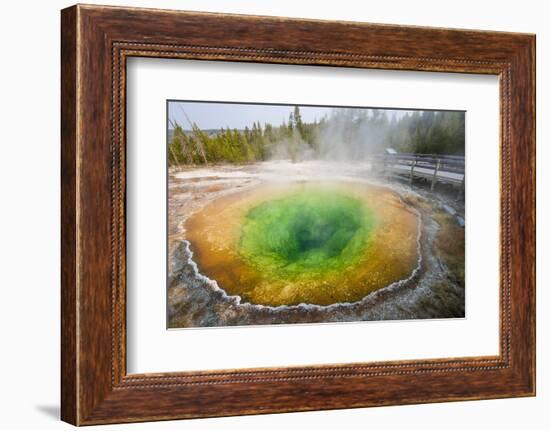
348 134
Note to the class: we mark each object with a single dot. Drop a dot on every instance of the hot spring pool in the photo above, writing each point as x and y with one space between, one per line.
305 242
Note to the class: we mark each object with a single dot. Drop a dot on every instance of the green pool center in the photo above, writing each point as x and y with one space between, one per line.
306 234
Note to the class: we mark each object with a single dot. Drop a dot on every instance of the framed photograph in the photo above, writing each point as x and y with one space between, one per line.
265 214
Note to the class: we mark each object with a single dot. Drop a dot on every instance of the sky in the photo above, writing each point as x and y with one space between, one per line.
212 115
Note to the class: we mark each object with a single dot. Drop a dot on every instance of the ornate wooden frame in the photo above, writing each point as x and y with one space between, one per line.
95 43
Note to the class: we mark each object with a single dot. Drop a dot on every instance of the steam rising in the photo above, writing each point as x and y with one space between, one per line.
342 134
353 134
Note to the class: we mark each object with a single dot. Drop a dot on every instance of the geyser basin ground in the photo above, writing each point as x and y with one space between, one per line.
312 242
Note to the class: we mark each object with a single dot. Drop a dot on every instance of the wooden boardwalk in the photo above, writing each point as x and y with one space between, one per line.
427 167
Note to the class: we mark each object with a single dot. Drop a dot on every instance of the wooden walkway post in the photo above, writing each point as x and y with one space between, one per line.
461 188
412 172
434 178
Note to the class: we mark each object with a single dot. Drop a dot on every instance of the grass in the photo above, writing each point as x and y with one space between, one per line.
450 246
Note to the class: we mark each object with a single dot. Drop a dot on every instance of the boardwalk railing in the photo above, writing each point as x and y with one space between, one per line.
430 167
